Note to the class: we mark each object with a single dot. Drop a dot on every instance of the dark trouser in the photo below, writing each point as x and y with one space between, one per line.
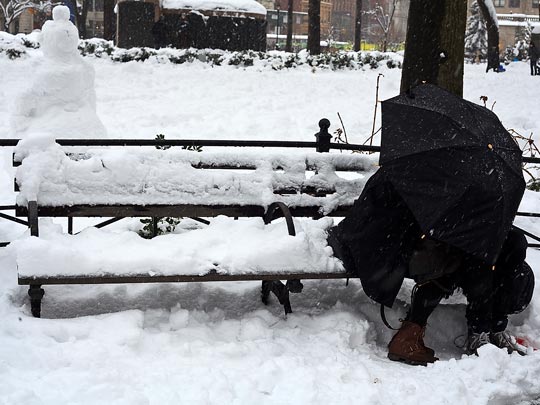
534 69
491 294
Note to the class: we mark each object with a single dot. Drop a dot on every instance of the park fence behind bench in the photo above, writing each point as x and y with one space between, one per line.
88 178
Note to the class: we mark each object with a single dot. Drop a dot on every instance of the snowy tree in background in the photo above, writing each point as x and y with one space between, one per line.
476 35
523 38
12 9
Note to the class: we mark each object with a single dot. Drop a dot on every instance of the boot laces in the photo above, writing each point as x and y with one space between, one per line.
504 340
476 340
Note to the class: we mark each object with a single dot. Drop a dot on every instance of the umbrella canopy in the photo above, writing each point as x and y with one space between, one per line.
455 166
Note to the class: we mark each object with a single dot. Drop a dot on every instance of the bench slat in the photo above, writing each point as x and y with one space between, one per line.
212 276
181 210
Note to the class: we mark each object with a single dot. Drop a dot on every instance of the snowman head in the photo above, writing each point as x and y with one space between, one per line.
59 37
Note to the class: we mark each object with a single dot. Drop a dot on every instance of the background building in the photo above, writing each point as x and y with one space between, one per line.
337 21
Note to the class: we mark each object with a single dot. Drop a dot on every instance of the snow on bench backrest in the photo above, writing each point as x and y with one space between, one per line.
128 176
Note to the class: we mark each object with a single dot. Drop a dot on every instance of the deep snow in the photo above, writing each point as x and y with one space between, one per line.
215 343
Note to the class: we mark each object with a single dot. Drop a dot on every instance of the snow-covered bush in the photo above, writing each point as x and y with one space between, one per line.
96 47
276 60
11 46
12 51
30 42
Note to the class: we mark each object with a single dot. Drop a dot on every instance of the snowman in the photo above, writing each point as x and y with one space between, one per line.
61 101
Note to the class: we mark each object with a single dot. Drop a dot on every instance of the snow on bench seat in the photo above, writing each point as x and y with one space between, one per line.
142 177
229 247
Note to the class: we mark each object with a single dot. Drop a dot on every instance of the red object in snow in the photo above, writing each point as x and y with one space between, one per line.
523 341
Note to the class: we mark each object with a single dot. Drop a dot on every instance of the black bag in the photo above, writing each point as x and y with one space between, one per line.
432 259
516 292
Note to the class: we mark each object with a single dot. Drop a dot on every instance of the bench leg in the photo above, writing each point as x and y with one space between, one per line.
36 294
33 218
265 291
280 290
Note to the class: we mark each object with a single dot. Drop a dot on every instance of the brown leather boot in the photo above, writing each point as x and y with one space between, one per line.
407 346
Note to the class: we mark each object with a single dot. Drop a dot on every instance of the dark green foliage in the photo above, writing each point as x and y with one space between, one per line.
276 60
158 226
13 50
13 53
340 60
30 44
244 58
96 47
194 148
534 185
161 137
391 64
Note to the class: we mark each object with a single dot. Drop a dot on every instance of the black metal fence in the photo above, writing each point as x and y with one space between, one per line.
321 144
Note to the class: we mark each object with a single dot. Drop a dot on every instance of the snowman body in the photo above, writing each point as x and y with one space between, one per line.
61 102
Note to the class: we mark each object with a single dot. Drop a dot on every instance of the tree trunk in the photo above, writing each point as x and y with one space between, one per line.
314 27
493 37
290 26
358 26
434 46
453 43
81 18
109 18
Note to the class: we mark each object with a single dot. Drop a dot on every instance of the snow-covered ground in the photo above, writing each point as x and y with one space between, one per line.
216 343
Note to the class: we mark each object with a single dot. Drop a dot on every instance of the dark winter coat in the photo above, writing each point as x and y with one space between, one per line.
376 239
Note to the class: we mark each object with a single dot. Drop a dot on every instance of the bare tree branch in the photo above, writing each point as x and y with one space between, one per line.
384 20
14 8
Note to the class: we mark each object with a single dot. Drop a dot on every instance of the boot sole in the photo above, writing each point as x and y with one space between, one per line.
395 357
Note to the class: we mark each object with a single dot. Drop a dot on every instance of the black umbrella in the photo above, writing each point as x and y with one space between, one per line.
455 166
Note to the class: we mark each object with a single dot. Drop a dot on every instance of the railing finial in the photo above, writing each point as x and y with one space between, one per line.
323 137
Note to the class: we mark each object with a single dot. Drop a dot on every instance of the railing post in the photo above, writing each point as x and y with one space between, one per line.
323 137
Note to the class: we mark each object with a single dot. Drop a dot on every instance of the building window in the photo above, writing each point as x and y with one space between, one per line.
499 3
535 3
514 3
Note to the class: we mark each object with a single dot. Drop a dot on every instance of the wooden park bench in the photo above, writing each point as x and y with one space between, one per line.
117 179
